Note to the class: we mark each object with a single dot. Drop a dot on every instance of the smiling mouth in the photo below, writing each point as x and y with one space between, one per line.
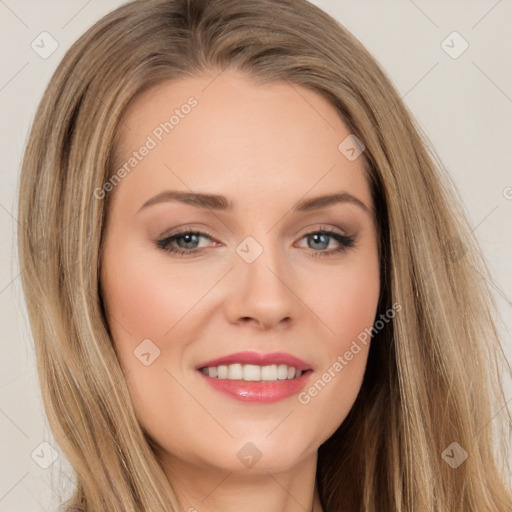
253 372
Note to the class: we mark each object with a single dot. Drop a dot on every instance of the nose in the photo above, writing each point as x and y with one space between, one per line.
262 293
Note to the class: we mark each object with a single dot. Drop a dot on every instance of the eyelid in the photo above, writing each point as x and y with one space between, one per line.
313 228
181 231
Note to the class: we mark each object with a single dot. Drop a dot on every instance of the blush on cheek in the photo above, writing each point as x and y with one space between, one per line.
351 316
345 296
149 302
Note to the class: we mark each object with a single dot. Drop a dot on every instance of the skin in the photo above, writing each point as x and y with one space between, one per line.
264 147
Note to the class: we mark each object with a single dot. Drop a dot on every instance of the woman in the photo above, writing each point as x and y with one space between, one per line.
259 292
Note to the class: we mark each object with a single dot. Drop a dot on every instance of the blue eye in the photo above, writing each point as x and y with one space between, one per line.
186 242
321 238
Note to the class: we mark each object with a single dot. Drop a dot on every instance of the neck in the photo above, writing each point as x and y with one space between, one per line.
210 489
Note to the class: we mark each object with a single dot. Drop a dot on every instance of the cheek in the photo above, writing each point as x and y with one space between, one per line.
146 299
346 304
345 299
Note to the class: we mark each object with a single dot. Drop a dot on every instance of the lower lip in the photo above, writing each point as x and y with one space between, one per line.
258 391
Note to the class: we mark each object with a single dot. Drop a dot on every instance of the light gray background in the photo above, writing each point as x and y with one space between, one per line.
464 105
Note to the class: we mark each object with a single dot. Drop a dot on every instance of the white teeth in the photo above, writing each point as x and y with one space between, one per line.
282 372
270 372
252 372
235 372
222 372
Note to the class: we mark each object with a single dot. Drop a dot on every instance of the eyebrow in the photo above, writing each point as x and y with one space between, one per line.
218 202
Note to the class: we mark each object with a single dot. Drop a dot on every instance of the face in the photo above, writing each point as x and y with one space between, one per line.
234 295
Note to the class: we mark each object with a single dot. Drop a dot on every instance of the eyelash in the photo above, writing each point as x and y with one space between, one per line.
345 242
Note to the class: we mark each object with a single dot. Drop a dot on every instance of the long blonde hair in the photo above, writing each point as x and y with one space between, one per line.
433 374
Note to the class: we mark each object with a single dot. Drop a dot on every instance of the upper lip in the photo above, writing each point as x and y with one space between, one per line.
257 359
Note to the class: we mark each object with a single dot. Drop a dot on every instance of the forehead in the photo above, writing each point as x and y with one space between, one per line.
224 132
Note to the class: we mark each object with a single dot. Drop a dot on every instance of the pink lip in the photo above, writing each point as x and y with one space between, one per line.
261 391
259 359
